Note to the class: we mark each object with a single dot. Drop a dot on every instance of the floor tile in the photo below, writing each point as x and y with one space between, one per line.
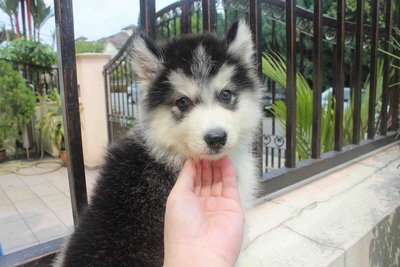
66 217
46 227
33 179
57 202
15 249
3 197
20 193
32 207
62 185
10 181
44 189
8 213
53 176
16 234
63 171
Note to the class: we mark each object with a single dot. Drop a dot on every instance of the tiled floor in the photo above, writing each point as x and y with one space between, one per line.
35 206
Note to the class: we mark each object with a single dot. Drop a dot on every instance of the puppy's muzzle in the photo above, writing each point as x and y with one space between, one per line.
216 139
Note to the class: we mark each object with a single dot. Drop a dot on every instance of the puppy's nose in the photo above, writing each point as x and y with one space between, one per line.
215 138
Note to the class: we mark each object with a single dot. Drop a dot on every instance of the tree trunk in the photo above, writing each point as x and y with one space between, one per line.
17 32
28 3
23 17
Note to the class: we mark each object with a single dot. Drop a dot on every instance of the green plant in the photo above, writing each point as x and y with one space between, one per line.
29 52
88 47
17 102
274 67
51 124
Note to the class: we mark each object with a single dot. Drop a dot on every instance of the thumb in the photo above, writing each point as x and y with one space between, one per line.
186 178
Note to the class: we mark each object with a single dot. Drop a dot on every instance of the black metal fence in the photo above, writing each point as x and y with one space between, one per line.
41 80
307 33
302 37
121 93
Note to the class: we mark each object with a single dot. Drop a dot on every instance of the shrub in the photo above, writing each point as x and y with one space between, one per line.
29 52
274 67
17 102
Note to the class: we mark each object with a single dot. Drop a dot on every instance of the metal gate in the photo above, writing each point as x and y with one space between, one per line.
121 93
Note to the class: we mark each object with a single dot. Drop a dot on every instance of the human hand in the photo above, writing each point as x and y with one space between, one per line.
204 220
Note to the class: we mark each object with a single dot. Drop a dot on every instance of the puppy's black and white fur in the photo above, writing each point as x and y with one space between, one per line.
199 100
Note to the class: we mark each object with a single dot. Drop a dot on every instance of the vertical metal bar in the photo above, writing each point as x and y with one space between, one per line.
374 59
148 17
290 84
255 26
358 72
339 74
266 158
117 91
107 86
317 80
198 21
185 17
70 105
128 83
386 62
396 90
279 157
209 15
174 26
225 19
168 33
301 51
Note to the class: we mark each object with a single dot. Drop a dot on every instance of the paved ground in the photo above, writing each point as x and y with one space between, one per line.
34 203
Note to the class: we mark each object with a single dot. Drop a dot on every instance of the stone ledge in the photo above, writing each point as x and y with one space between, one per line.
350 217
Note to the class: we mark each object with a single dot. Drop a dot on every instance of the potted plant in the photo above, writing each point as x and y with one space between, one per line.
51 123
17 104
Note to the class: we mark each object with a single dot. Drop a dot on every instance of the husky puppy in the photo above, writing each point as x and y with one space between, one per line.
200 100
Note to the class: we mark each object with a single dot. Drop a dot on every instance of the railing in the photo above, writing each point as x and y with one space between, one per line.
294 44
121 93
306 34
41 80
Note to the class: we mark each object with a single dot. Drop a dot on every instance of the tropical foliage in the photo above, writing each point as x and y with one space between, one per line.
29 52
17 102
36 11
51 124
274 67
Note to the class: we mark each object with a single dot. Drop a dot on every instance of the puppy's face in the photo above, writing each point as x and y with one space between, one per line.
199 95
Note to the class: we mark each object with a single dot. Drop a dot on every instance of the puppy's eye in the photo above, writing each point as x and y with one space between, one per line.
183 103
225 96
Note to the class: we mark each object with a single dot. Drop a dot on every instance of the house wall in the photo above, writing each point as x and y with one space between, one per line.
110 49
93 106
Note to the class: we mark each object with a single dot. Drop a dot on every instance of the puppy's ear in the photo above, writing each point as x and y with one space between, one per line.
146 57
240 42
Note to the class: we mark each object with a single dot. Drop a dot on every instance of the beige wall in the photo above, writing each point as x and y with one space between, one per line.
93 108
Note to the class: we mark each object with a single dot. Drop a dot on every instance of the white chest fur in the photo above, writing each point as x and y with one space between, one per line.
246 173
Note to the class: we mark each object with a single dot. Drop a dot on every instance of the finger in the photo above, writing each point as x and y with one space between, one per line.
197 180
229 182
206 178
216 189
185 180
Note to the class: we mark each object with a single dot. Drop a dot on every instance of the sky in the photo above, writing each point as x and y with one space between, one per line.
95 19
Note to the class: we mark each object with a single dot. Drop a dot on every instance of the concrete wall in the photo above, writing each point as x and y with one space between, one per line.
93 108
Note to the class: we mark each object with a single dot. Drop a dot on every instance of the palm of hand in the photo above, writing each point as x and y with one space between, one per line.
208 215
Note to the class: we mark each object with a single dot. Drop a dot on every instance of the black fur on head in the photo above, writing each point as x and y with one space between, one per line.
154 62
